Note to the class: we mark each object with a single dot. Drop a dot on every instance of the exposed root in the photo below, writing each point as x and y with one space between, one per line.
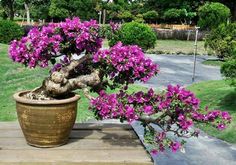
38 94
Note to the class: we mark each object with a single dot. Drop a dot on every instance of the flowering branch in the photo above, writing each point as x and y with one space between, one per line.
174 111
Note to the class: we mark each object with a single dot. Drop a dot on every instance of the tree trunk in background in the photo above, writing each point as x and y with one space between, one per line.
104 16
234 13
11 11
11 15
27 12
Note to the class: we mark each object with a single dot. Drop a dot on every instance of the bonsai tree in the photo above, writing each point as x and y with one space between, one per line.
84 66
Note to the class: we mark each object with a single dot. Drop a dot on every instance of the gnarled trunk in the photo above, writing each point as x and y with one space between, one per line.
62 82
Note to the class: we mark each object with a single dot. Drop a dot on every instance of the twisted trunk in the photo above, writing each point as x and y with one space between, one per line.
62 82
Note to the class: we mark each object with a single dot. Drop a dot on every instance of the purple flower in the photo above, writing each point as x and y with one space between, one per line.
130 114
225 116
185 124
221 126
154 152
56 67
65 60
175 146
161 136
148 109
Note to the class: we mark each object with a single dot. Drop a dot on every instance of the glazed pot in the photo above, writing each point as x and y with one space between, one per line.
46 123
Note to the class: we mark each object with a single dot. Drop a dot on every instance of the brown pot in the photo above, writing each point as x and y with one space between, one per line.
46 123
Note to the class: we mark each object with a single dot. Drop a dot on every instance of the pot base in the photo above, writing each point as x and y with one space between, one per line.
47 146
47 123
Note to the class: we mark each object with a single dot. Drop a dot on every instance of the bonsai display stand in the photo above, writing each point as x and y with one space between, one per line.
89 144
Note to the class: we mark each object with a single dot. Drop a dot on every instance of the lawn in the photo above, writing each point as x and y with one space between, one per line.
178 47
175 47
218 95
15 77
213 62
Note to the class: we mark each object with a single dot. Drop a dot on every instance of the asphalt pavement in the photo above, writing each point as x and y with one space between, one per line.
204 150
178 69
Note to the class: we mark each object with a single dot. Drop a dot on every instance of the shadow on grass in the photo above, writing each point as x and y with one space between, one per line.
229 102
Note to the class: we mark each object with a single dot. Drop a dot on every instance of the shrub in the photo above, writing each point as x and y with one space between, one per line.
134 33
150 16
211 15
139 18
222 40
175 14
228 69
126 16
9 31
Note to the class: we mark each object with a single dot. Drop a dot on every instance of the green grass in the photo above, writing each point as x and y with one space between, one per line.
174 47
213 62
105 43
15 77
178 47
218 95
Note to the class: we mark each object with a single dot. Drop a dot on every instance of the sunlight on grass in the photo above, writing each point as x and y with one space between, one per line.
213 62
218 95
179 47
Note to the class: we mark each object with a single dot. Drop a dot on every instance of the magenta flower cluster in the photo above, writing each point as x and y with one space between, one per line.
46 43
219 118
108 106
126 63
178 109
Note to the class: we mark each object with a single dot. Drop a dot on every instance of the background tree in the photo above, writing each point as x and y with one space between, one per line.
231 4
125 16
60 9
116 8
85 9
163 5
9 8
24 6
150 16
40 9
139 18
222 40
176 15
211 15
3 14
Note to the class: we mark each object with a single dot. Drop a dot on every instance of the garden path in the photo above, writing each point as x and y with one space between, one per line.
178 69
204 150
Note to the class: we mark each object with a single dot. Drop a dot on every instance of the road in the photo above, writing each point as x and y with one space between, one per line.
178 69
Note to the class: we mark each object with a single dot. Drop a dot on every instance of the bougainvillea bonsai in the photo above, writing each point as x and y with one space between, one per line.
83 65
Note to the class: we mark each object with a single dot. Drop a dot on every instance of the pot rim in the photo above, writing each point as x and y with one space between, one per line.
18 98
